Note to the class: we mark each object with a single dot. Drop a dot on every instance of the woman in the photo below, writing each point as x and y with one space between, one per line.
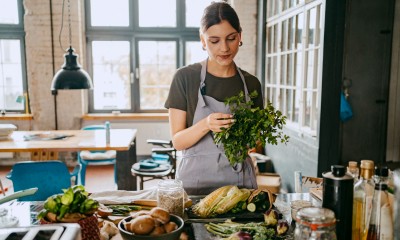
197 110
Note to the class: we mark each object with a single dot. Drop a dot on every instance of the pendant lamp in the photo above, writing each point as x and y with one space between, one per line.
71 75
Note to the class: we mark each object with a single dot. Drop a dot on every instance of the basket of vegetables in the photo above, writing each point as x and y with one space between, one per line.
72 206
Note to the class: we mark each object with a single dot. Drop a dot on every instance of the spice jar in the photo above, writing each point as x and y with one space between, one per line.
315 223
170 196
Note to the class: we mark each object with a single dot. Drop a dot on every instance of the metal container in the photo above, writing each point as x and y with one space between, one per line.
338 196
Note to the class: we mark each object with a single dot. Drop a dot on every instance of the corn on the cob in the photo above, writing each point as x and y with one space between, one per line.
206 205
233 196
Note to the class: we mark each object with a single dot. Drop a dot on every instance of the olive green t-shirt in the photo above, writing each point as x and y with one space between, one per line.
183 94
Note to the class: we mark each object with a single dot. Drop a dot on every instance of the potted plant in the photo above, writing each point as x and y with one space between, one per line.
72 206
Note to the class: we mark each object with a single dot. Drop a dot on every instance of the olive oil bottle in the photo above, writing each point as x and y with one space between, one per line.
362 202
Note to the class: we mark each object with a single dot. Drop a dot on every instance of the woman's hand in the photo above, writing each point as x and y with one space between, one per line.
217 121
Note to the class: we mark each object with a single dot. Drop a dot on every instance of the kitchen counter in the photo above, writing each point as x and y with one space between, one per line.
196 230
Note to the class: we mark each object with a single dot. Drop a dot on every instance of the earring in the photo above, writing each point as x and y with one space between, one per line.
203 48
240 43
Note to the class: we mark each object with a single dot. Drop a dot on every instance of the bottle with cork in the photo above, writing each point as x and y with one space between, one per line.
353 170
362 202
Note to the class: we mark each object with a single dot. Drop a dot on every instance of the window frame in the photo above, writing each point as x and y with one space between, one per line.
279 17
133 33
17 32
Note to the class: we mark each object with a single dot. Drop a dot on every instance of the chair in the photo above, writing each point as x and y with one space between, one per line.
96 157
50 177
165 154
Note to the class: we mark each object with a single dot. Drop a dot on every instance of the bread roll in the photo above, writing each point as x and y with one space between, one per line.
142 225
160 214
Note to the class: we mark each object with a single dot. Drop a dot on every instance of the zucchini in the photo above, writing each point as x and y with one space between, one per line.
251 207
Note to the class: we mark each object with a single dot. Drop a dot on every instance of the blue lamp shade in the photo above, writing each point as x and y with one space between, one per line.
71 75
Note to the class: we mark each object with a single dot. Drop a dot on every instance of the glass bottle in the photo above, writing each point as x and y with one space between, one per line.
108 137
353 170
315 223
396 209
362 203
170 196
379 200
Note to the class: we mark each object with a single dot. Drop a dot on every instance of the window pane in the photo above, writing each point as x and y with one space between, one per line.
194 11
312 26
111 75
269 9
284 35
296 106
307 108
298 79
289 104
275 32
157 13
290 61
269 70
269 40
157 65
299 30
310 69
320 23
9 12
194 52
274 70
314 115
283 70
105 14
10 75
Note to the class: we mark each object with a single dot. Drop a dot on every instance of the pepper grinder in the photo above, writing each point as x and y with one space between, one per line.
338 196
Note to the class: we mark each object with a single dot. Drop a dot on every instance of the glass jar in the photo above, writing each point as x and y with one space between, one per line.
296 205
170 196
315 223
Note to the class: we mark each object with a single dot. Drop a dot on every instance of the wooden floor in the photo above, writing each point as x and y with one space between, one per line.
98 178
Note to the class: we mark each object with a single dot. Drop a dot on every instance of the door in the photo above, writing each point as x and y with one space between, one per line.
366 73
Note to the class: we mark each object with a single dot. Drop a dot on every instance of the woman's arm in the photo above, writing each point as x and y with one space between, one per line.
183 138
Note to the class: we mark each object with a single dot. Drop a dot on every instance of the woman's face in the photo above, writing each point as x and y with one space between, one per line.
222 43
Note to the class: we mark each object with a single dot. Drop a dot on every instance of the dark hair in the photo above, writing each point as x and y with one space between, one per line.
215 13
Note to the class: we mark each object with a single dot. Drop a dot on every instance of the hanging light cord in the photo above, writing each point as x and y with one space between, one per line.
62 24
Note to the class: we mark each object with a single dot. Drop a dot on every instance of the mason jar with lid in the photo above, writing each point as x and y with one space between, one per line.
170 196
315 223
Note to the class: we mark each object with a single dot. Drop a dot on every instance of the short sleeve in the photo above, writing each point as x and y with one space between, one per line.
177 97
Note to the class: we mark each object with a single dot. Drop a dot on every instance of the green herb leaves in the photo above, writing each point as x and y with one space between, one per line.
253 127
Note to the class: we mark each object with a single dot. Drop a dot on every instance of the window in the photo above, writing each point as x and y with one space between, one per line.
134 56
12 58
293 61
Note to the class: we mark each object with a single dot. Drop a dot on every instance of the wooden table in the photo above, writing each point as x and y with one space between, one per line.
122 140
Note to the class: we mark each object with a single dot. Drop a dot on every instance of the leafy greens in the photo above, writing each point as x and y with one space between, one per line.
252 127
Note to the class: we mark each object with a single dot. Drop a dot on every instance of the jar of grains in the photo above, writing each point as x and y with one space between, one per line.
170 196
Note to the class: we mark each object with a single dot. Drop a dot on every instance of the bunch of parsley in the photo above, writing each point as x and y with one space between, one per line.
252 127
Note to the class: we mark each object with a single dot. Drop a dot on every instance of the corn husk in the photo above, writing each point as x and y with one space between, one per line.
205 207
232 198
220 201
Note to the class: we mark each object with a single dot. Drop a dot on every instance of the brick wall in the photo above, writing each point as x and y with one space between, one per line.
247 12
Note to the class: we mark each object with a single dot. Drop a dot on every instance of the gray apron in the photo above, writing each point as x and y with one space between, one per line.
204 166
